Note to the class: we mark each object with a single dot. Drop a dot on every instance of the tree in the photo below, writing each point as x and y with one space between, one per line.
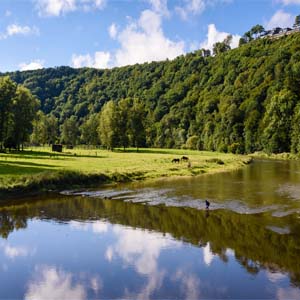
256 30
297 22
24 109
295 134
277 122
7 92
123 112
136 124
89 130
108 126
69 131
224 46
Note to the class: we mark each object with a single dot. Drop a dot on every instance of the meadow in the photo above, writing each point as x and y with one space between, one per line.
38 168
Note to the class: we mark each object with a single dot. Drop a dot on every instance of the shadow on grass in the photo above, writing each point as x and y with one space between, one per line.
46 154
152 151
23 168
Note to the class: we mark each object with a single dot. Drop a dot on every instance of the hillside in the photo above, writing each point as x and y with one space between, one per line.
243 100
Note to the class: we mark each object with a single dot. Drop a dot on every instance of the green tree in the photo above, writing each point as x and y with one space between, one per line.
69 131
277 122
89 130
221 47
137 131
256 30
24 110
295 134
108 125
7 93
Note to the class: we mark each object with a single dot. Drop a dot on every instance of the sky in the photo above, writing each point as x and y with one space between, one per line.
109 33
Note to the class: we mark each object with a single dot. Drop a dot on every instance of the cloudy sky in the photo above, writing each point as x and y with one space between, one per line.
109 33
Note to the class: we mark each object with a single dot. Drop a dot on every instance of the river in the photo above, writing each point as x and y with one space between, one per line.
156 240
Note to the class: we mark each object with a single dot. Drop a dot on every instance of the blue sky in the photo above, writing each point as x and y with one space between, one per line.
108 33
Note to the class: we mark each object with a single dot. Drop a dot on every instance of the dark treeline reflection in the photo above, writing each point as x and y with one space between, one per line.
256 239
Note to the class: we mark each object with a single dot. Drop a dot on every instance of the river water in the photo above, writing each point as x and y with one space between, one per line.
157 240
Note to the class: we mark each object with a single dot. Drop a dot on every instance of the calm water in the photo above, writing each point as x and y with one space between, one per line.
157 241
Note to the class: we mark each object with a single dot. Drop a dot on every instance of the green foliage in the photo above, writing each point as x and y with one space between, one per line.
242 100
192 142
18 109
88 130
69 131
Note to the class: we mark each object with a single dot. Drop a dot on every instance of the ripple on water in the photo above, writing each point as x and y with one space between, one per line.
153 196
279 230
291 191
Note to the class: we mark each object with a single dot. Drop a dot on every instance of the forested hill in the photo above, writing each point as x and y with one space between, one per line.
242 100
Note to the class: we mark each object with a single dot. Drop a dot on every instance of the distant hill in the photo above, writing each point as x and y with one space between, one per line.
243 100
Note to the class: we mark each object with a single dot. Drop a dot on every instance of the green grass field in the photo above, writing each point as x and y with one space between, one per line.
40 167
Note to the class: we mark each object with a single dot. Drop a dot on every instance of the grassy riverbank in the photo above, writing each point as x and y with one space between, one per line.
38 169
278 156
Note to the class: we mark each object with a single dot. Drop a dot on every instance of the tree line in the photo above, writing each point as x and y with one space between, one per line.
240 100
18 108
119 124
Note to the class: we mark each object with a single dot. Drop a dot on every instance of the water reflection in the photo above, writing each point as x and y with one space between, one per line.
76 247
52 283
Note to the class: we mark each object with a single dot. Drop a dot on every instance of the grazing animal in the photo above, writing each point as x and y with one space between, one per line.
175 160
207 204
184 158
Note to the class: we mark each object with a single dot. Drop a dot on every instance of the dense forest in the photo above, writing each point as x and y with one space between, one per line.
240 100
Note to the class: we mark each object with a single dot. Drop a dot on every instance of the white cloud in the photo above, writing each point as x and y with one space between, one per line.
15 29
288 2
280 19
33 65
140 41
160 7
214 36
55 7
54 283
100 60
144 41
61 7
193 7
196 7
112 30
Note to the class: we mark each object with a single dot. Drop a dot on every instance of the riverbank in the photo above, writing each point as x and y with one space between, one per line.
37 170
277 156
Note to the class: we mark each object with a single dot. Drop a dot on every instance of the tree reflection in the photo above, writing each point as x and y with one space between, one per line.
255 246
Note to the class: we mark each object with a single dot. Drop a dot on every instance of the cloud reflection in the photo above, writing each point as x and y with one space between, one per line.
276 277
189 284
52 283
96 227
15 251
208 256
141 249
288 293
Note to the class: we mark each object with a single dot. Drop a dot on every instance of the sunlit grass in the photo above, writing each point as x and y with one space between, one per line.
35 165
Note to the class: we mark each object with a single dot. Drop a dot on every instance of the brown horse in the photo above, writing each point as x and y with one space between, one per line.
176 160
184 158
